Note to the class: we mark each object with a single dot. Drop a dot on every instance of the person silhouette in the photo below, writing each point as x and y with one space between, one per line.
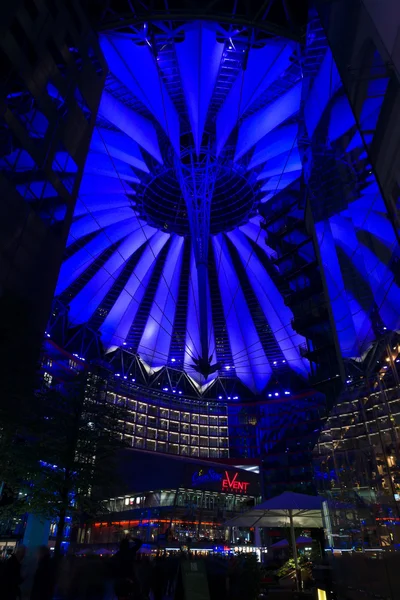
11 578
44 579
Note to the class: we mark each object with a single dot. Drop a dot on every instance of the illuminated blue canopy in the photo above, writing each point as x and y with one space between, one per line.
357 242
166 256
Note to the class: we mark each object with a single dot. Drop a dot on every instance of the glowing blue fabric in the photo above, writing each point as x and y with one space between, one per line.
244 128
326 84
256 126
193 344
249 358
156 339
263 67
199 58
140 129
135 66
118 145
271 301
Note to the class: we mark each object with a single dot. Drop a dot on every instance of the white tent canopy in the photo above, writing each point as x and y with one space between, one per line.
277 512
287 510
300 541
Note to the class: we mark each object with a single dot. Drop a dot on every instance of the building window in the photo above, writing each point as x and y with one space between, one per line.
73 365
47 378
179 436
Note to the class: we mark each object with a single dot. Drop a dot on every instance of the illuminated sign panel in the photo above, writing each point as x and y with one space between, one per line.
225 481
203 476
234 485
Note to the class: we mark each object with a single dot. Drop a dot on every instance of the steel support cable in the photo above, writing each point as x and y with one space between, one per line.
259 232
178 158
194 302
190 277
247 357
148 240
282 328
212 327
168 133
105 145
220 253
116 278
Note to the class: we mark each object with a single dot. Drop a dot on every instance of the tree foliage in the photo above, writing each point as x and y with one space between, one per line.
60 455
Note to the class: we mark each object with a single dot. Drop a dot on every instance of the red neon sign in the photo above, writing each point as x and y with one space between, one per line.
233 484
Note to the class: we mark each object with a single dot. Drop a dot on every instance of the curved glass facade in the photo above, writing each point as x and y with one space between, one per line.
197 429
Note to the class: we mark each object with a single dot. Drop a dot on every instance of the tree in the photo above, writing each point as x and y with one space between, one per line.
63 453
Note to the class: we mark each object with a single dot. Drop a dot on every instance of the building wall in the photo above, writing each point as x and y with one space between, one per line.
357 460
280 434
276 435
52 74
386 16
185 427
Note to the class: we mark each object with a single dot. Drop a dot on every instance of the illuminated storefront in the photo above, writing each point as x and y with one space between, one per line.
168 499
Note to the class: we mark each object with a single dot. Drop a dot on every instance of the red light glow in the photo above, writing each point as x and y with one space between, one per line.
233 484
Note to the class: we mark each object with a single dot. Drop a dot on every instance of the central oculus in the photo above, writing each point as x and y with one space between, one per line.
232 203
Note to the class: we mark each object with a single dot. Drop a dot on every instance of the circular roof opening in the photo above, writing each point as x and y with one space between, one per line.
233 201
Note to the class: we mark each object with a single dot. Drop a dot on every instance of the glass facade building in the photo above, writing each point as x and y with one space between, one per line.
187 428
356 459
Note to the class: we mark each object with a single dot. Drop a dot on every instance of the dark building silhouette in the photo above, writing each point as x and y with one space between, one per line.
51 76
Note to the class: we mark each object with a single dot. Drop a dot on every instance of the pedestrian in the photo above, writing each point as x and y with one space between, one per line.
44 580
125 584
11 578
157 583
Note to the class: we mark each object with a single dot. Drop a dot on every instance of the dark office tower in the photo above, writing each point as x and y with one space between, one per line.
51 76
